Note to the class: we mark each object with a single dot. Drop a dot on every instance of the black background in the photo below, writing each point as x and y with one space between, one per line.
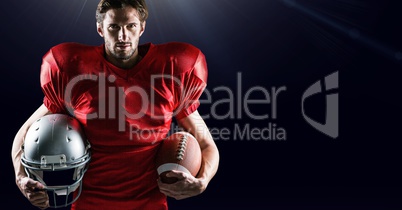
272 43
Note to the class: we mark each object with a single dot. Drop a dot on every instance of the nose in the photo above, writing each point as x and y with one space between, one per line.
122 34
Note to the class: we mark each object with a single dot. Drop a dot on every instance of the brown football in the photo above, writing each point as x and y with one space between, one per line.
179 151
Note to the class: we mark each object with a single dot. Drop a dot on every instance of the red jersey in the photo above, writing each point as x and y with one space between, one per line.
125 113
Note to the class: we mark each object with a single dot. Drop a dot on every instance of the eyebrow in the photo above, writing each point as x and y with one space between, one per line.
134 23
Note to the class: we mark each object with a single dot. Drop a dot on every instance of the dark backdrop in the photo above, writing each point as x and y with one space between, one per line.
269 43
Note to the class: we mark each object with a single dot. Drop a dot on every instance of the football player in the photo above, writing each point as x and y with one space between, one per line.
125 95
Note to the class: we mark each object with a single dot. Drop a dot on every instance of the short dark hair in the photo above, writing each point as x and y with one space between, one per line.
106 5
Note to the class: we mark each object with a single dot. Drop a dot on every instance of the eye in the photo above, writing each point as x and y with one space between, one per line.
114 27
131 25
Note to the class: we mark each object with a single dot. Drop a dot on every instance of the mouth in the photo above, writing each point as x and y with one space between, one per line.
123 45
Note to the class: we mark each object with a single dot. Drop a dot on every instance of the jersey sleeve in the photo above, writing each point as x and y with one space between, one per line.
192 85
51 79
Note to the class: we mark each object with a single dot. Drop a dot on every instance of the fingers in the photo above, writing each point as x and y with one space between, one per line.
39 199
33 191
186 186
178 195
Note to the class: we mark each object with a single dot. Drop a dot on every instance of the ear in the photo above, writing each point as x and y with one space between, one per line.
143 24
99 29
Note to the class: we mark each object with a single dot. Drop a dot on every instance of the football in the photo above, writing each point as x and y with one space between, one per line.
179 151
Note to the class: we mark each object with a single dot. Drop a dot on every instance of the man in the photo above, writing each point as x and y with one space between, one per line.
125 96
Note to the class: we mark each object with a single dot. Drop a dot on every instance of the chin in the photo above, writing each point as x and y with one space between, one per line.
123 56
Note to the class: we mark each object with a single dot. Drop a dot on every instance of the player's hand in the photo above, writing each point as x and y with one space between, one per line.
185 187
34 192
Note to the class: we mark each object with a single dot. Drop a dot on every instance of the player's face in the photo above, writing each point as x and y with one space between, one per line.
121 30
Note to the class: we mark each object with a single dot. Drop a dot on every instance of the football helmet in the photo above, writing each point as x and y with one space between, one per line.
57 153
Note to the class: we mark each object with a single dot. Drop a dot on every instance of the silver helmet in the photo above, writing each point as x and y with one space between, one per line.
56 153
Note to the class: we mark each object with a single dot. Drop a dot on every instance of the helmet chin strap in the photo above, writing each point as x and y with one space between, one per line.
63 190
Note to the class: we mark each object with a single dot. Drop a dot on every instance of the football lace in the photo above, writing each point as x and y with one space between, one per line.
181 147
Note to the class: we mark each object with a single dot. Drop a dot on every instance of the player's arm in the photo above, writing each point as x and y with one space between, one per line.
189 186
210 155
25 184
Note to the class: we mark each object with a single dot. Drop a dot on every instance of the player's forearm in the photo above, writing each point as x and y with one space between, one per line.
16 151
210 154
210 162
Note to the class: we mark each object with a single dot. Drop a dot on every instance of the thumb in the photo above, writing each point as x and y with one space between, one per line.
34 184
177 174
